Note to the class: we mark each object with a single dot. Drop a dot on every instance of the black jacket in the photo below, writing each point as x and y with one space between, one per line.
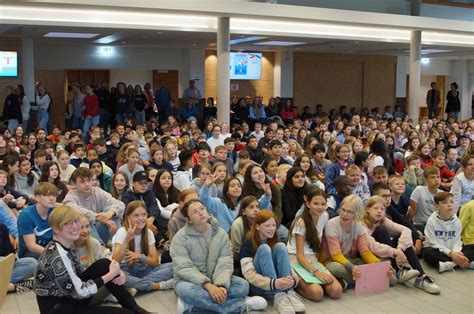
148 198
12 108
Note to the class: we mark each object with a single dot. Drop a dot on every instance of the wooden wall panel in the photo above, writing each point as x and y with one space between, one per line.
340 83
55 83
379 84
334 80
252 88
171 78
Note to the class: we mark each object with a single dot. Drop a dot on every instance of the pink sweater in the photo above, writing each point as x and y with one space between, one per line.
394 229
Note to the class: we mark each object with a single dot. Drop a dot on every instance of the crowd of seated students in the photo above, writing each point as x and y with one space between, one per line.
228 216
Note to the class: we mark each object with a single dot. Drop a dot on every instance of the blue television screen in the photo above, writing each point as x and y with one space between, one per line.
8 63
245 65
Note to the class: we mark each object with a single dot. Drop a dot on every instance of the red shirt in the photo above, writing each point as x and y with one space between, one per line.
91 105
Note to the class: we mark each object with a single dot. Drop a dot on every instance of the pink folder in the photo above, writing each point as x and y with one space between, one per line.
373 278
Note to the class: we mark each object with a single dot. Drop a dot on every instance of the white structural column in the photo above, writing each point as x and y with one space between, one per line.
415 67
28 67
223 69
415 76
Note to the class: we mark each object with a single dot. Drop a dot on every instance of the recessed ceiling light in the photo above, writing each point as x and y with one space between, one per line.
70 35
280 43
159 33
123 42
242 39
195 44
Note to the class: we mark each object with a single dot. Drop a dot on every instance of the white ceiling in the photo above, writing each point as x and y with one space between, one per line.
182 39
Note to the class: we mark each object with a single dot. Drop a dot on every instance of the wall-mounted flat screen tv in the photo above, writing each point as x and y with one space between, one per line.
245 65
8 63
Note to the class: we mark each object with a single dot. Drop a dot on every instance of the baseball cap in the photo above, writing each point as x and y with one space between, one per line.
139 176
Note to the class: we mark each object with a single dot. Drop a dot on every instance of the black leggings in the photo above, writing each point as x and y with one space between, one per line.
433 256
56 305
381 235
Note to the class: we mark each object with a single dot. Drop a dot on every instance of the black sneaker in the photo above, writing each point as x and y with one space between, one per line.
343 283
24 286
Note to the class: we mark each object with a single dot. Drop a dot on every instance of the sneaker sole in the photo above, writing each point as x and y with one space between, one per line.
408 278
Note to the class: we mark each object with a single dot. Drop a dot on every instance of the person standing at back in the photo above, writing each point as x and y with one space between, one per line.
162 100
105 102
11 109
432 101
454 104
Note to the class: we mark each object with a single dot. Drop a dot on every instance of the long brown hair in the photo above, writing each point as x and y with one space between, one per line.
131 207
311 236
371 202
261 217
244 203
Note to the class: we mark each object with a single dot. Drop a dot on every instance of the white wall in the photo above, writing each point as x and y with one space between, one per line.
129 64
434 67
425 86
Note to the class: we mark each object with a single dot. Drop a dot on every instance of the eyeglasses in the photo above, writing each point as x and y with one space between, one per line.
343 210
70 223
385 195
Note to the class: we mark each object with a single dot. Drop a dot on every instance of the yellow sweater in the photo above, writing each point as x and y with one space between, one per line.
466 216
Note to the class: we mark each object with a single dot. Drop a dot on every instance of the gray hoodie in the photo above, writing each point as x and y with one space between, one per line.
21 185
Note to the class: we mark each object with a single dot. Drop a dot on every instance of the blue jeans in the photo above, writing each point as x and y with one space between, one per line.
196 296
454 114
43 119
104 120
75 122
141 276
101 232
121 117
25 125
12 124
140 117
23 269
271 263
88 122
282 232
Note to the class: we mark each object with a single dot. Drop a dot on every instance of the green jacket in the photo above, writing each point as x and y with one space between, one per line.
198 261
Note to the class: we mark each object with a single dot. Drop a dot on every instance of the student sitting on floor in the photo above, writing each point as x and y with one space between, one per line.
442 247
304 245
203 266
391 240
421 201
23 268
134 248
466 215
345 242
33 227
266 265
71 290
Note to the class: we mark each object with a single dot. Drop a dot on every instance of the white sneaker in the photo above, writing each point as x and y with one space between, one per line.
445 266
282 304
255 303
167 285
181 306
471 265
296 301
427 284
110 298
405 275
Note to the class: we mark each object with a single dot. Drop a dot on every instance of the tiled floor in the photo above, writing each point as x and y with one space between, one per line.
457 296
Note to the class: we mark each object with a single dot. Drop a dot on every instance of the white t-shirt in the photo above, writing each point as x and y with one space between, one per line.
425 205
300 229
121 234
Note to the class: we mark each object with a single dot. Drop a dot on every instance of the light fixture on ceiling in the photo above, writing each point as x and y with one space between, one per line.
70 35
280 43
243 39
425 60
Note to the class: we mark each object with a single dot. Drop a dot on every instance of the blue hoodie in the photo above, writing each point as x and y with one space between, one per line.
223 214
